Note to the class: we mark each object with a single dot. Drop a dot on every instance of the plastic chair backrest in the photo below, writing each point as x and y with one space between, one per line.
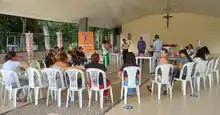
210 66
165 75
93 75
44 63
200 68
32 75
52 74
34 64
41 64
132 76
8 75
74 75
216 64
189 68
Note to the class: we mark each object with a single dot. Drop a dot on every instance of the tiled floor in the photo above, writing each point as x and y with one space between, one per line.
52 109
207 103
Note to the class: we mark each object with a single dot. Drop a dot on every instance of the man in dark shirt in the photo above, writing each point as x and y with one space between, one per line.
81 55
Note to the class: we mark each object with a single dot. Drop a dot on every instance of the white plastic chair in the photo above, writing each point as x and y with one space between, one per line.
132 83
8 86
1 86
32 75
44 63
52 74
216 69
209 72
72 74
163 78
34 64
189 67
199 74
93 77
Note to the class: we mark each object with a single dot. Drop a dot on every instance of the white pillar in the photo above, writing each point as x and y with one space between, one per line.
46 38
29 45
59 39
111 40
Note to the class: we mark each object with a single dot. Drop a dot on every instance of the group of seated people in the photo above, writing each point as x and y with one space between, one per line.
198 51
73 57
184 57
61 63
58 59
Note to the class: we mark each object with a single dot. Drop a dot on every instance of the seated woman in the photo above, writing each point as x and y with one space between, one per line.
95 64
190 50
163 60
74 57
200 56
49 60
130 61
12 64
184 58
163 56
61 64
206 50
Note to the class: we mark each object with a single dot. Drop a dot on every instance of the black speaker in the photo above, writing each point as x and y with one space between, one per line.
117 30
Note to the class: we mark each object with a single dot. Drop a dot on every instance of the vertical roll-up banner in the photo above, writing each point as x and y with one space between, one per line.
86 41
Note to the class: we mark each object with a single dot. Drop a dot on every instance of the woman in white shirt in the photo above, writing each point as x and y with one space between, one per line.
11 63
190 50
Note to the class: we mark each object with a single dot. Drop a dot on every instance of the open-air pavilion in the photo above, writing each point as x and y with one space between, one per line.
180 22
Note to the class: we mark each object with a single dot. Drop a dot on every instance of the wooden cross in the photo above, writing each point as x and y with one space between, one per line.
168 17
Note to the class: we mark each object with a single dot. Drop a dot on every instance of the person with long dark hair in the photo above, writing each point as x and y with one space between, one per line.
49 60
184 58
130 61
200 56
12 64
95 64
206 50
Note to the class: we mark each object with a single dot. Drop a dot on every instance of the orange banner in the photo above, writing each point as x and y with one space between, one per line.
86 40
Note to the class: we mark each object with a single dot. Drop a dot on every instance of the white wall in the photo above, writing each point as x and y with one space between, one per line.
184 29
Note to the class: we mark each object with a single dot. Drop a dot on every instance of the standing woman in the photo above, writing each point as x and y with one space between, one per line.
105 53
124 48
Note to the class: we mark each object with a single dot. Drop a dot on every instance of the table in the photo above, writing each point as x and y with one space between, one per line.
116 58
144 58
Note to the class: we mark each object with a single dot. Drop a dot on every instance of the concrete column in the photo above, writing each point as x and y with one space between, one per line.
83 24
